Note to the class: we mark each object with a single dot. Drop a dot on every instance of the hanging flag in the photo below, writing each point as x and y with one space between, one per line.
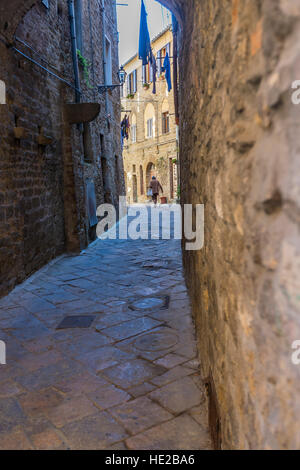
167 69
144 42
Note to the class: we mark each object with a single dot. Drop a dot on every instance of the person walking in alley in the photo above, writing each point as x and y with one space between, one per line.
155 187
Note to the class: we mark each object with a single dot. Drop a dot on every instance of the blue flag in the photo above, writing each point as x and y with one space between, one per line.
167 69
144 43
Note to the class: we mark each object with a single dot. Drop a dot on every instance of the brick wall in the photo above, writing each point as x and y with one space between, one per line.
43 208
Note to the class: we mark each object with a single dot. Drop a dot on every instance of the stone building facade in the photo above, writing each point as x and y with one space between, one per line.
56 154
151 149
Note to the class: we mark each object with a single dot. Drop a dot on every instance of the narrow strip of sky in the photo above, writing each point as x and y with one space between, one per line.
129 24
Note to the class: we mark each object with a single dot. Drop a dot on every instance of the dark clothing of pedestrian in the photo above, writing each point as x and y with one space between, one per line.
154 198
155 186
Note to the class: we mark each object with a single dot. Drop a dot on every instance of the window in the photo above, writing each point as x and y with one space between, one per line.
149 121
133 133
133 128
2 92
108 62
161 56
133 168
132 83
150 128
147 74
165 122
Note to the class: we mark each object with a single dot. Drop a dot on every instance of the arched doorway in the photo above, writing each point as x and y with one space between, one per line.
151 171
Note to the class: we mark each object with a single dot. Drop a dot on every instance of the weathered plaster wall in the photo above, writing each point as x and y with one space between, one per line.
240 157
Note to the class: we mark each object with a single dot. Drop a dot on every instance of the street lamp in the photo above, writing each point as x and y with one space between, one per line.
122 77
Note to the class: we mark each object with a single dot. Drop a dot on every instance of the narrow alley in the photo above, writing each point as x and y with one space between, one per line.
149 343
101 353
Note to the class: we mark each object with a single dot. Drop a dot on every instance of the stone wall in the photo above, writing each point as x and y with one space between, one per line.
43 206
159 151
240 157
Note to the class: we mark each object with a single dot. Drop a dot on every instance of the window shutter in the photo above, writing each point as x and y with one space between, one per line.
151 73
159 63
128 85
169 49
148 128
135 81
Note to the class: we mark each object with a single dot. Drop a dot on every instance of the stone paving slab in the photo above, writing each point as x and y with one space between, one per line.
129 381
181 433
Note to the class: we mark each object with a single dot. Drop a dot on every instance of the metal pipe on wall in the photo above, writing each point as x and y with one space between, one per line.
74 49
104 55
43 68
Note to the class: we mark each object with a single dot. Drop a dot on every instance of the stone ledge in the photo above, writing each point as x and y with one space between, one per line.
76 113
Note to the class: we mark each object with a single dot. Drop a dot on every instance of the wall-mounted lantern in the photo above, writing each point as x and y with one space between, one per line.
122 77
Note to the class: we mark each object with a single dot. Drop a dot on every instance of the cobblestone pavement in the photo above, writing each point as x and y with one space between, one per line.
128 380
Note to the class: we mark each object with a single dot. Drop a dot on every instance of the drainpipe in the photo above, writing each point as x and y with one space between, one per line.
176 98
104 56
74 49
108 177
